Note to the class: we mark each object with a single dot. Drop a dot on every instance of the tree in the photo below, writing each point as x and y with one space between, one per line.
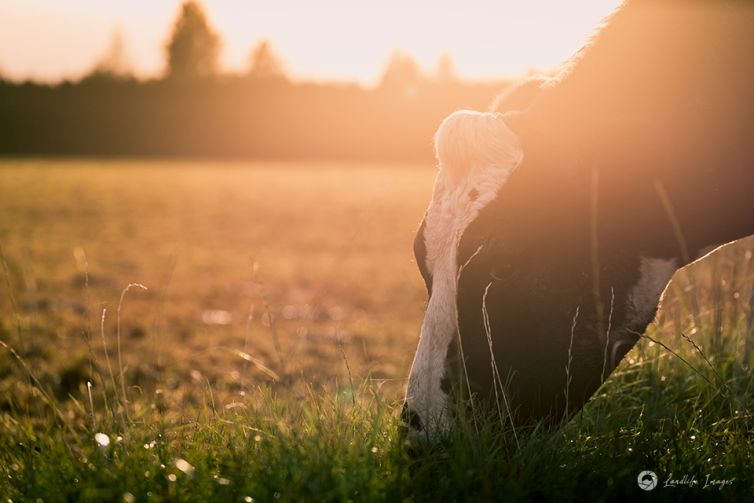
194 47
115 62
402 74
265 64
445 73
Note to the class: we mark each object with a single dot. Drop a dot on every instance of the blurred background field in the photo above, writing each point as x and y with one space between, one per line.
258 273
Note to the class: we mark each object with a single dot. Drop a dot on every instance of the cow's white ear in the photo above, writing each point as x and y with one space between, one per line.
467 140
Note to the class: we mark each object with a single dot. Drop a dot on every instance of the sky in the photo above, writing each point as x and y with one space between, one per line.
317 40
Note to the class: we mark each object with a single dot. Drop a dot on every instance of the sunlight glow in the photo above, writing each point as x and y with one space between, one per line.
325 40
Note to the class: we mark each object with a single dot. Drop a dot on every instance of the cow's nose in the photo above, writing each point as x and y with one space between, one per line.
411 418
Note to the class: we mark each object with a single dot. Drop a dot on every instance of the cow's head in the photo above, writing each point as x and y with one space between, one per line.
519 310
477 152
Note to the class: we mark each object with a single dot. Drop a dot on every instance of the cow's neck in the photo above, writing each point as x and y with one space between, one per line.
716 209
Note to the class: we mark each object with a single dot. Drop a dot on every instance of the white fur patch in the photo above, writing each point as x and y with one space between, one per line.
476 153
654 275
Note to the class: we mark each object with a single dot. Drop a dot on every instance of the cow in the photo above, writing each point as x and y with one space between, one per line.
559 216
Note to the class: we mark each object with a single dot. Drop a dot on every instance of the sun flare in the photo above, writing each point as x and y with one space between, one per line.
328 40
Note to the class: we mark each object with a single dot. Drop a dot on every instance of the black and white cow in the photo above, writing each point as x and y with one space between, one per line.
558 218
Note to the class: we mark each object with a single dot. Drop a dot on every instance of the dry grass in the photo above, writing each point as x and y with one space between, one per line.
257 272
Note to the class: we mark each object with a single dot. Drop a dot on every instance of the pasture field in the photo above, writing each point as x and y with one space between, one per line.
267 357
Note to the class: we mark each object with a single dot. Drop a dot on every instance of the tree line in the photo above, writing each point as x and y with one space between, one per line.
195 110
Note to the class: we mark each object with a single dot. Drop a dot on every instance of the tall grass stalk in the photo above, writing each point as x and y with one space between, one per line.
120 358
11 296
121 406
567 389
496 380
39 387
269 316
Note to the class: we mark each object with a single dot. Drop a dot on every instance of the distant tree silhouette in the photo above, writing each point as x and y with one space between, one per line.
263 114
402 74
445 72
265 64
115 61
194 47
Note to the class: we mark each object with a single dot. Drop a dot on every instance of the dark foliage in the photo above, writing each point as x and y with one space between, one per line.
240 116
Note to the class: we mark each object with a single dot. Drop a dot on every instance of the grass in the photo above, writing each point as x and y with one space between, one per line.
282 381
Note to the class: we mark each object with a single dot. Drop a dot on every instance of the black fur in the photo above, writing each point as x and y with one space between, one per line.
662 100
